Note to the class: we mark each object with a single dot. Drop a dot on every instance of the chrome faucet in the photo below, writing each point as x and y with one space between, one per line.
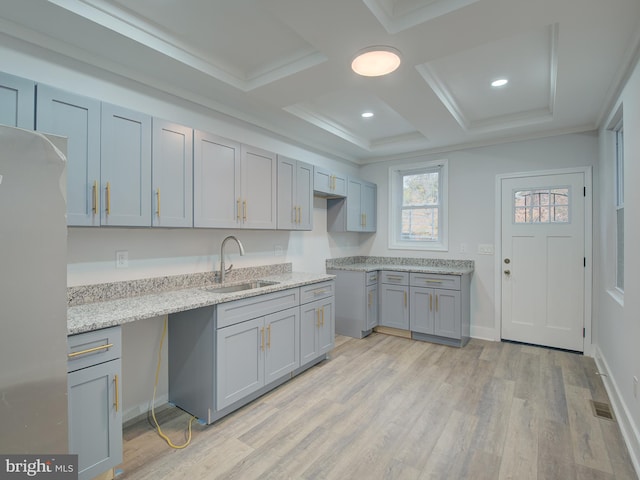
222 270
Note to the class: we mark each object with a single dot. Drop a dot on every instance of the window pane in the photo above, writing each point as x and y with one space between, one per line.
560 214
420 189
420 224
541 206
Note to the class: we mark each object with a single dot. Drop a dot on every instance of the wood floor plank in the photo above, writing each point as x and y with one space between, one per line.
555 452
520 454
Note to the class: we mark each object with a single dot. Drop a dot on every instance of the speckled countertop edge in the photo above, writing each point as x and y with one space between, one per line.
97 315
402 264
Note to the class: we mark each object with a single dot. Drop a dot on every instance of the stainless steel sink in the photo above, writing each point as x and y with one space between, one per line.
239 287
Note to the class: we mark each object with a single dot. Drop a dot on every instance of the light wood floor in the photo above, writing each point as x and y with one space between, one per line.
390 408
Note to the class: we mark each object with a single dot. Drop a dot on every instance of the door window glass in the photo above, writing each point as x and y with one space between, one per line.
542 205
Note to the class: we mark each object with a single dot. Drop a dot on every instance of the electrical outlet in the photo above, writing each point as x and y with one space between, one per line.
122 259
277 250
635 387
485 249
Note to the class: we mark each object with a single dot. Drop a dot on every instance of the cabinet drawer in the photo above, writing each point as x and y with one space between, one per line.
93 348
309 293
395 278
372 278
434 280
230 313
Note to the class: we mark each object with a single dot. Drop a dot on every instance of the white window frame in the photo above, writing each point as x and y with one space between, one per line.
395 207
619 198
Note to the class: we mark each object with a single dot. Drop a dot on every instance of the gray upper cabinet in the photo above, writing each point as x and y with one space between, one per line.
234 184
17 101
258 179
357 212
216 182
77 118
295 195
125 167
172 175
329 184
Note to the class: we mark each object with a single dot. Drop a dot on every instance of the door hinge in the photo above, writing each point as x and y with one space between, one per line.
584 332
584 191
584 261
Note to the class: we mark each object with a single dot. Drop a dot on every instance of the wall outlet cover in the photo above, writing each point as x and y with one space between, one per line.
122 259
485 249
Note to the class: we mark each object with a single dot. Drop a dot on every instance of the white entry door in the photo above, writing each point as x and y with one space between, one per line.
543 260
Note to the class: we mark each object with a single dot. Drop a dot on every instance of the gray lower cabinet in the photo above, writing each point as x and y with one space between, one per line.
394 300
356 302
95 415
224 356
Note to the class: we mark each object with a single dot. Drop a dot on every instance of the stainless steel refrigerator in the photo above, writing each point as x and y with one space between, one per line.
33 299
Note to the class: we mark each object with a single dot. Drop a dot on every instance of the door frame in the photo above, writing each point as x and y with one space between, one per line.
588 247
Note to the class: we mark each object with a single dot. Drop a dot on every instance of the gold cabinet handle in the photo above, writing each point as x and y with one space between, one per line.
405 299
370 298
94 197
436 302
430 302
262 341
299 214
295 214
238 210
318 322
108 209
158 198
269 337
117 402
365 219
319 292
244 210
90 350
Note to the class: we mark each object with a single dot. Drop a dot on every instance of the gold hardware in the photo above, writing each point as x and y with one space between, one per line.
269 337
437 303
322 308
430 302
158 195
370 298
319 292
90 350
332 184
295 214
108 209
238 209
94 207
117 403
362 219
244 210
433 281
262 341
365 219
405 299
318 322
299 214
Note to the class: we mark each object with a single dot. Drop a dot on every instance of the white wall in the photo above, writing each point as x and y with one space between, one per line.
472 209
617 326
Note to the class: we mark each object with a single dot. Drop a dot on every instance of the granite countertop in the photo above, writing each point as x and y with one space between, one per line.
107 313
402 264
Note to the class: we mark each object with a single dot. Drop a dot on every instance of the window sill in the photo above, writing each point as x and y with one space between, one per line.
411 246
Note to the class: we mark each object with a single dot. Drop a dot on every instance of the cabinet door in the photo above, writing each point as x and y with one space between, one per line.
304 195
327 327
355 216
394 306
369 207
421 317
372 306
447 320
240 356
125 167
282 351
95 418
77 118
258 177
172 175
328 183
309 323
216 182
287 202
17 101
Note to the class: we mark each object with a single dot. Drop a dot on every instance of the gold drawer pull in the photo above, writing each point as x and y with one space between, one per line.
319 292
90 350
434 281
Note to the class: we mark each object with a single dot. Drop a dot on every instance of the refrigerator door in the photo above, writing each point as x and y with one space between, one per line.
33 301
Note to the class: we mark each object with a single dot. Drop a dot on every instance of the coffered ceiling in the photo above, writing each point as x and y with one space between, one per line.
284 65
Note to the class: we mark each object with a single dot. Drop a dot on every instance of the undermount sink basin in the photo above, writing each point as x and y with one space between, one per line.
240 287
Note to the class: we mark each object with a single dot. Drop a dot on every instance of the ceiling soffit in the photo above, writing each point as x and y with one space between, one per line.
398 15
244 70
529 61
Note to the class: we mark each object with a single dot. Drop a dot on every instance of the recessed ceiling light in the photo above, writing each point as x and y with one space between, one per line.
500 82
367 114
376 61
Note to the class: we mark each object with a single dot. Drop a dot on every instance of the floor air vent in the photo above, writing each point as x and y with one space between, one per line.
602 410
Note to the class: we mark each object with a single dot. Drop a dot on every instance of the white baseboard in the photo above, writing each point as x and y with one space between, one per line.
485 333
139 410
627 427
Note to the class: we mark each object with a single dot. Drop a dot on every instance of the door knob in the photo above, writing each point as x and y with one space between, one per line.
507 272
507 260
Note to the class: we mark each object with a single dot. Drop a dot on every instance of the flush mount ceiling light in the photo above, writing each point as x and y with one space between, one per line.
500 82
376 61
366 114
